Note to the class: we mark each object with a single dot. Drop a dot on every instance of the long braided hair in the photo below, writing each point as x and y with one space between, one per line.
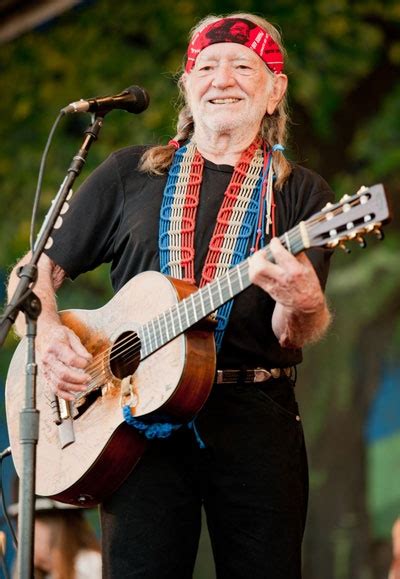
273 130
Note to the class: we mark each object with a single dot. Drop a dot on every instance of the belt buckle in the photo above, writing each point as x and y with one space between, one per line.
261 375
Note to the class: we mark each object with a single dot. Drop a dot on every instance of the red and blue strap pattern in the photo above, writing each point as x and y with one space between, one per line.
236 221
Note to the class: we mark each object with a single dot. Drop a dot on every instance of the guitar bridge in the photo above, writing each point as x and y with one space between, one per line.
67 409
65 424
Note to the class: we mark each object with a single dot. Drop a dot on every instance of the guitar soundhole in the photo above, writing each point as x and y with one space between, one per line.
125 355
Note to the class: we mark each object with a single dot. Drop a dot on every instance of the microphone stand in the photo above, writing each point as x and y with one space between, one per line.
26 301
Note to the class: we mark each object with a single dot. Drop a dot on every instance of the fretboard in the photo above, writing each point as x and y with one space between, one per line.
200 304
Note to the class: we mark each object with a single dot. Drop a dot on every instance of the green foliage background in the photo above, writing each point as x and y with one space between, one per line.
343 67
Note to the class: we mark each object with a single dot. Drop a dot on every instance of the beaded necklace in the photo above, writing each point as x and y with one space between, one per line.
245 213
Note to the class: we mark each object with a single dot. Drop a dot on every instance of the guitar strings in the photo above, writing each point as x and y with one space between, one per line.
132 344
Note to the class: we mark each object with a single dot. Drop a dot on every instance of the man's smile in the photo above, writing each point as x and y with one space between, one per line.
224 101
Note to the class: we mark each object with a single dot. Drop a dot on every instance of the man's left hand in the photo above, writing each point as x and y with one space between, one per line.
290 281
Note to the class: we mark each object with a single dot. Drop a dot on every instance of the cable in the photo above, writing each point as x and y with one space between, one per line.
40 177
6 452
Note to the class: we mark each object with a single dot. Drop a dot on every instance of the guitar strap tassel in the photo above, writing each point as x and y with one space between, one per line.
155 427
150 429
192 426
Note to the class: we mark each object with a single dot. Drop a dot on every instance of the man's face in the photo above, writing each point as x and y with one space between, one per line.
229 88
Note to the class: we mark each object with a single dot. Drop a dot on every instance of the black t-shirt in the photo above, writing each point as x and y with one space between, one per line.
114 218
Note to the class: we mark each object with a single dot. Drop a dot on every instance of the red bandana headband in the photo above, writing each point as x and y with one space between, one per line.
242 32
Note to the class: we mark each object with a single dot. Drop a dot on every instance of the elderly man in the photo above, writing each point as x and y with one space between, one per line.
218 192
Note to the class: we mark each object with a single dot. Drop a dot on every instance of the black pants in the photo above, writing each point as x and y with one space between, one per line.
251 478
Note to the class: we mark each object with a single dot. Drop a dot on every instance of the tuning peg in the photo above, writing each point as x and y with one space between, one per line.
361 241
344 247
379 233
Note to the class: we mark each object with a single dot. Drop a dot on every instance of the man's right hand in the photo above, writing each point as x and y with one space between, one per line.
62 358
63 361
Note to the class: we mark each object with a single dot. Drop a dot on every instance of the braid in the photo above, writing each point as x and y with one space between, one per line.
157 160
274 131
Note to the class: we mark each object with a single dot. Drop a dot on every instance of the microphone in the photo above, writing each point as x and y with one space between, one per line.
133 99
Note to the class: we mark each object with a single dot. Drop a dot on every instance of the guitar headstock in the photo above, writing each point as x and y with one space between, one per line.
350 219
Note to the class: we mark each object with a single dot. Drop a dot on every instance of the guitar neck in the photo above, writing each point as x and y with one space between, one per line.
200 304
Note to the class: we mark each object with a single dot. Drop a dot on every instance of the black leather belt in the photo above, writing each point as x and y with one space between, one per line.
235 376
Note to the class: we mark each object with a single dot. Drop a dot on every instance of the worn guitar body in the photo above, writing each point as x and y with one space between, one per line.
175 379
156 330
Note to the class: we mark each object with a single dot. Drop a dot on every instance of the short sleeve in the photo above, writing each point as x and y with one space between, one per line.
87 234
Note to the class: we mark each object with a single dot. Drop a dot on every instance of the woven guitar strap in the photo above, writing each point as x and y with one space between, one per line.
243 220
245 214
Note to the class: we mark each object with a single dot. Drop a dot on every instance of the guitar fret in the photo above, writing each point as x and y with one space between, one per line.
226 289
186 312
160 330
145 341
153 325
153 337
193 307
211 297
205 301
240 280
202 304
180 321
166 325
295 238
229 285
172 322
218 284
241 276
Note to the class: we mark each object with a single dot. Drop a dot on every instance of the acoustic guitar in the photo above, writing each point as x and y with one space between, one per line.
153 350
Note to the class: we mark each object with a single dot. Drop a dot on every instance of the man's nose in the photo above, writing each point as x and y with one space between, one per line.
223 76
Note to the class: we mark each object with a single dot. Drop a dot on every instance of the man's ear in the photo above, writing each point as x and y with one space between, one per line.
277 92
183 86
183 81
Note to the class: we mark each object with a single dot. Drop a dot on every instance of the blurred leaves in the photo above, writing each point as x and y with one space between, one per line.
343 66
100 48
